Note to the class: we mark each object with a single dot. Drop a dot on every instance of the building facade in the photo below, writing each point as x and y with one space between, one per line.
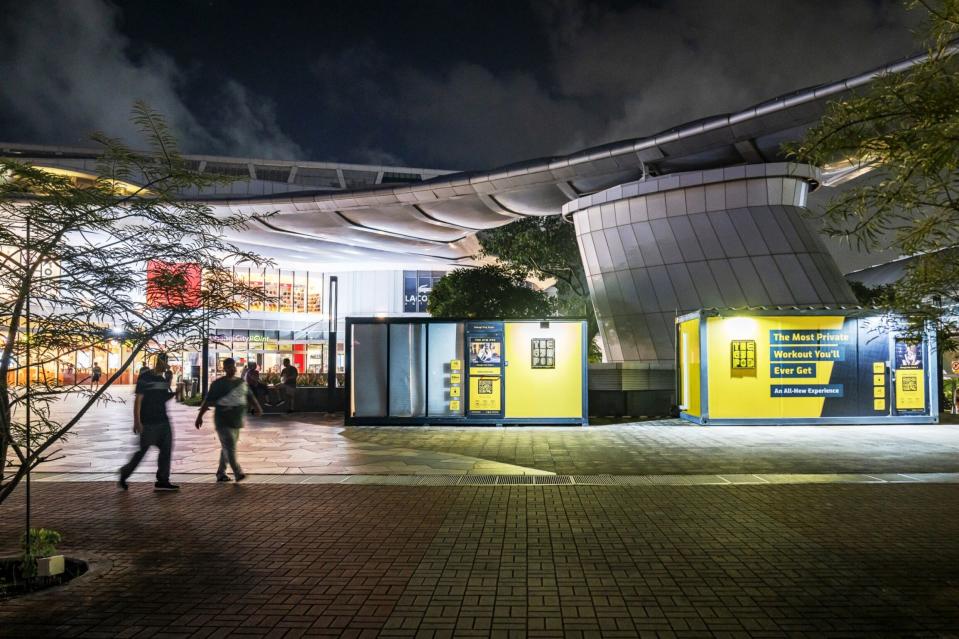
707 213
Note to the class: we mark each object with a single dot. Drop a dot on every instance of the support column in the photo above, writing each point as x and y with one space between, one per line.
730 237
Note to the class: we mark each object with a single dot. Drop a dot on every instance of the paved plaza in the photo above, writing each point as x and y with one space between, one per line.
797 542
305 444
842 560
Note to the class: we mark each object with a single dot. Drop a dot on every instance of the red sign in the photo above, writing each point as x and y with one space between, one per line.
172 285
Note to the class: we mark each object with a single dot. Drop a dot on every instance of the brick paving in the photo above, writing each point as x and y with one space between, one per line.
541 561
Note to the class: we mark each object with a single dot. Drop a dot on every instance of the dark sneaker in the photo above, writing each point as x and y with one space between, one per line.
223 478
241 477
122 483
165 487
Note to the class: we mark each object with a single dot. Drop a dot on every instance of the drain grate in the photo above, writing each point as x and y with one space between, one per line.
439 480
383 480
478 480
686 480
516 480
593 480
553 480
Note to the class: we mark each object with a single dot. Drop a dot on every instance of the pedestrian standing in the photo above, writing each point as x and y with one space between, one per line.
95 372
229 395
288 384
151 423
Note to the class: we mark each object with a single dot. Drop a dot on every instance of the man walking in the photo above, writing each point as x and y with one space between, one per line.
229 395
151 423
288 384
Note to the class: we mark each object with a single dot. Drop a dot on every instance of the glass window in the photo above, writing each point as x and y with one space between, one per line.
239 341
257 281
314 301
272 279
446 345
299 292
407 370
286 291
316 357
369 365
271 341
241 275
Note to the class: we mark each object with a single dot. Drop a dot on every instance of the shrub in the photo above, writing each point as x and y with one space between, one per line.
43 543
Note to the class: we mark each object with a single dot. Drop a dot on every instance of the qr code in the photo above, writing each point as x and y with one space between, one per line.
910 384
484 387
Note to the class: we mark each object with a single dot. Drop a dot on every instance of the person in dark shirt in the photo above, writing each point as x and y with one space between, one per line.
151 423
229 395
288 384
257 387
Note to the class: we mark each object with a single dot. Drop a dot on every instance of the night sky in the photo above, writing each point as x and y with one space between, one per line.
458 85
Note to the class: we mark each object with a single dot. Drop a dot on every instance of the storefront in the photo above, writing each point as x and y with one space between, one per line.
803 367
268 348
426 371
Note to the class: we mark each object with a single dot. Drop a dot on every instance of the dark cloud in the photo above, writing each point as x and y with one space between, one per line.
650 68
67 70
611 74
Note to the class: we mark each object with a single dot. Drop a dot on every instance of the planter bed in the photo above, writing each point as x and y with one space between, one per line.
12 583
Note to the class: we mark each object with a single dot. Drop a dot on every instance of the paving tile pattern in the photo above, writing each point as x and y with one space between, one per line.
813 560
312 444
275 444
668 447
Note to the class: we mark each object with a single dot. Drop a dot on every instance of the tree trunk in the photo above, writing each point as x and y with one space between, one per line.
7 488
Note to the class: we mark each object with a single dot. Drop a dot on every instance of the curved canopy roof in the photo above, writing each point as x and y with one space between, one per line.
432 216
437 218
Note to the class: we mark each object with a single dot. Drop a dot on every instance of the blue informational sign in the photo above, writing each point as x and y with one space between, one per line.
793 371
814 353
806 390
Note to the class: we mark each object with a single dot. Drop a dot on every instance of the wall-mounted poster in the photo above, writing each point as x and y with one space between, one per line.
485 351
910 392
543 352
908 355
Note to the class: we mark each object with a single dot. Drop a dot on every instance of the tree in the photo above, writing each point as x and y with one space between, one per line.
869 295
545 248
73 263
487 292
905 130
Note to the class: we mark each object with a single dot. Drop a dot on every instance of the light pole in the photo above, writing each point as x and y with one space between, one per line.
27 397
331 343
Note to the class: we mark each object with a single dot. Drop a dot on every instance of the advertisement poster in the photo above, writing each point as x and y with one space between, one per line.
908 355
910 390
809 366
485 395
485 351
